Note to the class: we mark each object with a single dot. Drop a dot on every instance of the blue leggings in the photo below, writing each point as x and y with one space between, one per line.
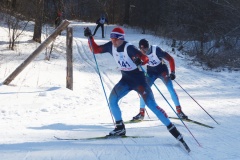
123 87
168 83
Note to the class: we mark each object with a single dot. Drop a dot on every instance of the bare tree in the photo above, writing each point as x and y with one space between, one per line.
38 20
15 28
15 21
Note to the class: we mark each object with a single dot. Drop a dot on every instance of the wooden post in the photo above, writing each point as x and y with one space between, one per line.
43 45
69 78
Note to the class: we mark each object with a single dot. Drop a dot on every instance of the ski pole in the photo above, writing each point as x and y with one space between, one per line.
105 31
147 114
195 101
171 107
93 31
100 77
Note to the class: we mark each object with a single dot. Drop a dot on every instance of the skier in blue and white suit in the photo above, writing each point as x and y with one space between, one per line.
157 68
100 23
128 58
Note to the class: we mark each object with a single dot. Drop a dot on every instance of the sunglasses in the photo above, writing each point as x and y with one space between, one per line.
113 36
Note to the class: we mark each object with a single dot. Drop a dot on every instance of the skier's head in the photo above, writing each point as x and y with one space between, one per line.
117 33
143 43
117 36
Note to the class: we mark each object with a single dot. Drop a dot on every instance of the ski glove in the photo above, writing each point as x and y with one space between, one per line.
87 32
137 61
172 76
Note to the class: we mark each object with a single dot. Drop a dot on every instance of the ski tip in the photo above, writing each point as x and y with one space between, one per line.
137 121
192 121
115 136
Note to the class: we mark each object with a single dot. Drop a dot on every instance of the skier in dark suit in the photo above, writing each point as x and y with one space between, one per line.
58 19
100 23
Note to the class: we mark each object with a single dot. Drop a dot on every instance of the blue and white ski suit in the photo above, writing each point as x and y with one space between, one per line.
156 68
132 78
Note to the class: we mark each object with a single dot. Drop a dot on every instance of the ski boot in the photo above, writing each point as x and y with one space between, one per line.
173 130
140 115
180 113
119 129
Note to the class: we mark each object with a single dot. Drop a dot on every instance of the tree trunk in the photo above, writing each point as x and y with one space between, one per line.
13 4
38 21
126 13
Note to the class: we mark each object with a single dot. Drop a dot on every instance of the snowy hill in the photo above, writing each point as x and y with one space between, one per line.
36 106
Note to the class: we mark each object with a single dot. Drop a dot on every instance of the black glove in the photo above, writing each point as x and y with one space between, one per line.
137 61
87 32
172 76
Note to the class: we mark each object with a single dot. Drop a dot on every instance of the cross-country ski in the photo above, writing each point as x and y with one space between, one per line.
101 137
192 121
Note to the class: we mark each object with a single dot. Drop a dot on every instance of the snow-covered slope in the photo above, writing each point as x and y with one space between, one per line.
36 106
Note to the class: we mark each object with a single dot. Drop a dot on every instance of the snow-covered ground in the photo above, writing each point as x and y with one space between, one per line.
36 106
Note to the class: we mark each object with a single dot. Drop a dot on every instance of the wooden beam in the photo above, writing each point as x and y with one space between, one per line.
42 46
69 78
